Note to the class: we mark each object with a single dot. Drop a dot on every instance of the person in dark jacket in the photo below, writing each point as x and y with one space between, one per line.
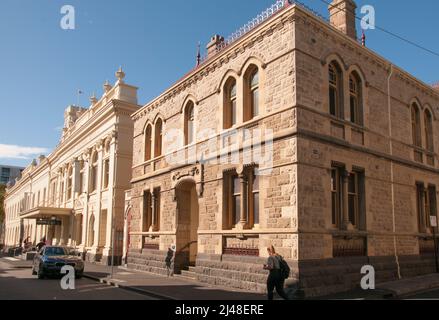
275 278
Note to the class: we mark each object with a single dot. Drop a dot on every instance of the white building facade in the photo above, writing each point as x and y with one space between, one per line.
75 196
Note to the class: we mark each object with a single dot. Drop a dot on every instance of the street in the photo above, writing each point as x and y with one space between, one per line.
19 284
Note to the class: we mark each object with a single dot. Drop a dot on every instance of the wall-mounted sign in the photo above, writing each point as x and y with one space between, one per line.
49 222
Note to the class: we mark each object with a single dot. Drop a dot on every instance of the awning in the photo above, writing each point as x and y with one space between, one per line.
42 213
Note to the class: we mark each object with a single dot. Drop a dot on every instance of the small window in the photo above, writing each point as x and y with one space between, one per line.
158 145
251 99
189 123
428 131
230 104
335 90
94 173
416 126
148 143
355 99
106 173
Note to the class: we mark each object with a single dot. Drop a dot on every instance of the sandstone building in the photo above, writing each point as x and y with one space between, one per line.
75 196
352 177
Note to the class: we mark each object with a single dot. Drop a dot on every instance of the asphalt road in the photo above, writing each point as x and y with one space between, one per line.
19 284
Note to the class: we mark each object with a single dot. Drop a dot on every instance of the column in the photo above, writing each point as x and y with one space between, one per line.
112 189
100 149
345 199
244 201
153 215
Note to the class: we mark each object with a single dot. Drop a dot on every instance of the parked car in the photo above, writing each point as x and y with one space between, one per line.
50 260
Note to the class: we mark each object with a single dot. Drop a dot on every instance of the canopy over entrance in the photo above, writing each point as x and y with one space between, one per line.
46 213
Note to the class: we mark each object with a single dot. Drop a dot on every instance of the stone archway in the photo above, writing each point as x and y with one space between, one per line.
187 225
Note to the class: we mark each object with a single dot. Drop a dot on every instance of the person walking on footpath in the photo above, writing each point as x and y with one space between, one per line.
170 260
276 278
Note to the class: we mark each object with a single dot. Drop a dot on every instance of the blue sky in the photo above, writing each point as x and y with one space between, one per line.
43 66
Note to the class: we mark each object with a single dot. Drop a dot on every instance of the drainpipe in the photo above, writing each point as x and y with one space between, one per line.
392 174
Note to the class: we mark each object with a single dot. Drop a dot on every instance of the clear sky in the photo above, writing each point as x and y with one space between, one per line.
43 66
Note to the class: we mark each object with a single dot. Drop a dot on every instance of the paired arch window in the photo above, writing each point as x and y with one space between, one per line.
230 108
428 119
416 125
148 142
355 98
158 143
82 177
251 98
189 123
251 94
335 90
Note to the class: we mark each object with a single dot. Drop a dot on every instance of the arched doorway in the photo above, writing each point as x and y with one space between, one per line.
187 225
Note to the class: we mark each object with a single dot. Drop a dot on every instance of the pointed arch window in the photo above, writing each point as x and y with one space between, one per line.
416 126
428 131
189 124
158 143
356 99
335 90
251 100
230 105
148 142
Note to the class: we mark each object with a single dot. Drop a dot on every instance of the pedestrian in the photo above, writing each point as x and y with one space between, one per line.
41 244
170 259
275 278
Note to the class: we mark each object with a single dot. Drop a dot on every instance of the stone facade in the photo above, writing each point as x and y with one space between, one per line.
82 183
368 141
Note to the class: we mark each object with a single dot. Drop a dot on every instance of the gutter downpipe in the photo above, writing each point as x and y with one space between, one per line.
392 175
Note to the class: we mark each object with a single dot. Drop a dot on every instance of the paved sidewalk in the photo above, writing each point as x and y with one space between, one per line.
174 288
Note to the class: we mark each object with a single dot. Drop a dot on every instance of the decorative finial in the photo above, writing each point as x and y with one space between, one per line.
93 99
107 86
199 54
363 39
120 75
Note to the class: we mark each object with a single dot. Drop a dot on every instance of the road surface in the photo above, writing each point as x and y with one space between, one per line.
19 284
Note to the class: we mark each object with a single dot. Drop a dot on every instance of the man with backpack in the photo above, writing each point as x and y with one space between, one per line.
279 272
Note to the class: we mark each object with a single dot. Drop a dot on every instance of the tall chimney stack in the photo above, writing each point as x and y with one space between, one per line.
342 16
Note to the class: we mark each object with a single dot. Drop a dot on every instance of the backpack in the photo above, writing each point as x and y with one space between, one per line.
284 268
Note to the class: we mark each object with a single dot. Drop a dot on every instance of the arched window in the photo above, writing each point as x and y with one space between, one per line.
69 183
428 130
189 123
230 104
416 126
148 142
94 173
335 90
251 95
158 143
355 99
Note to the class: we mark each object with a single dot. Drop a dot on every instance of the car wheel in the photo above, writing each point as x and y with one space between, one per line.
40 273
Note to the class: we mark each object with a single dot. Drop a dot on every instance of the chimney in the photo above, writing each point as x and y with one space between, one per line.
214 45
342 16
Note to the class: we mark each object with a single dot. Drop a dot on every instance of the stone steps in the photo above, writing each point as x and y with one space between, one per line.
238 284
189 275
233 274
